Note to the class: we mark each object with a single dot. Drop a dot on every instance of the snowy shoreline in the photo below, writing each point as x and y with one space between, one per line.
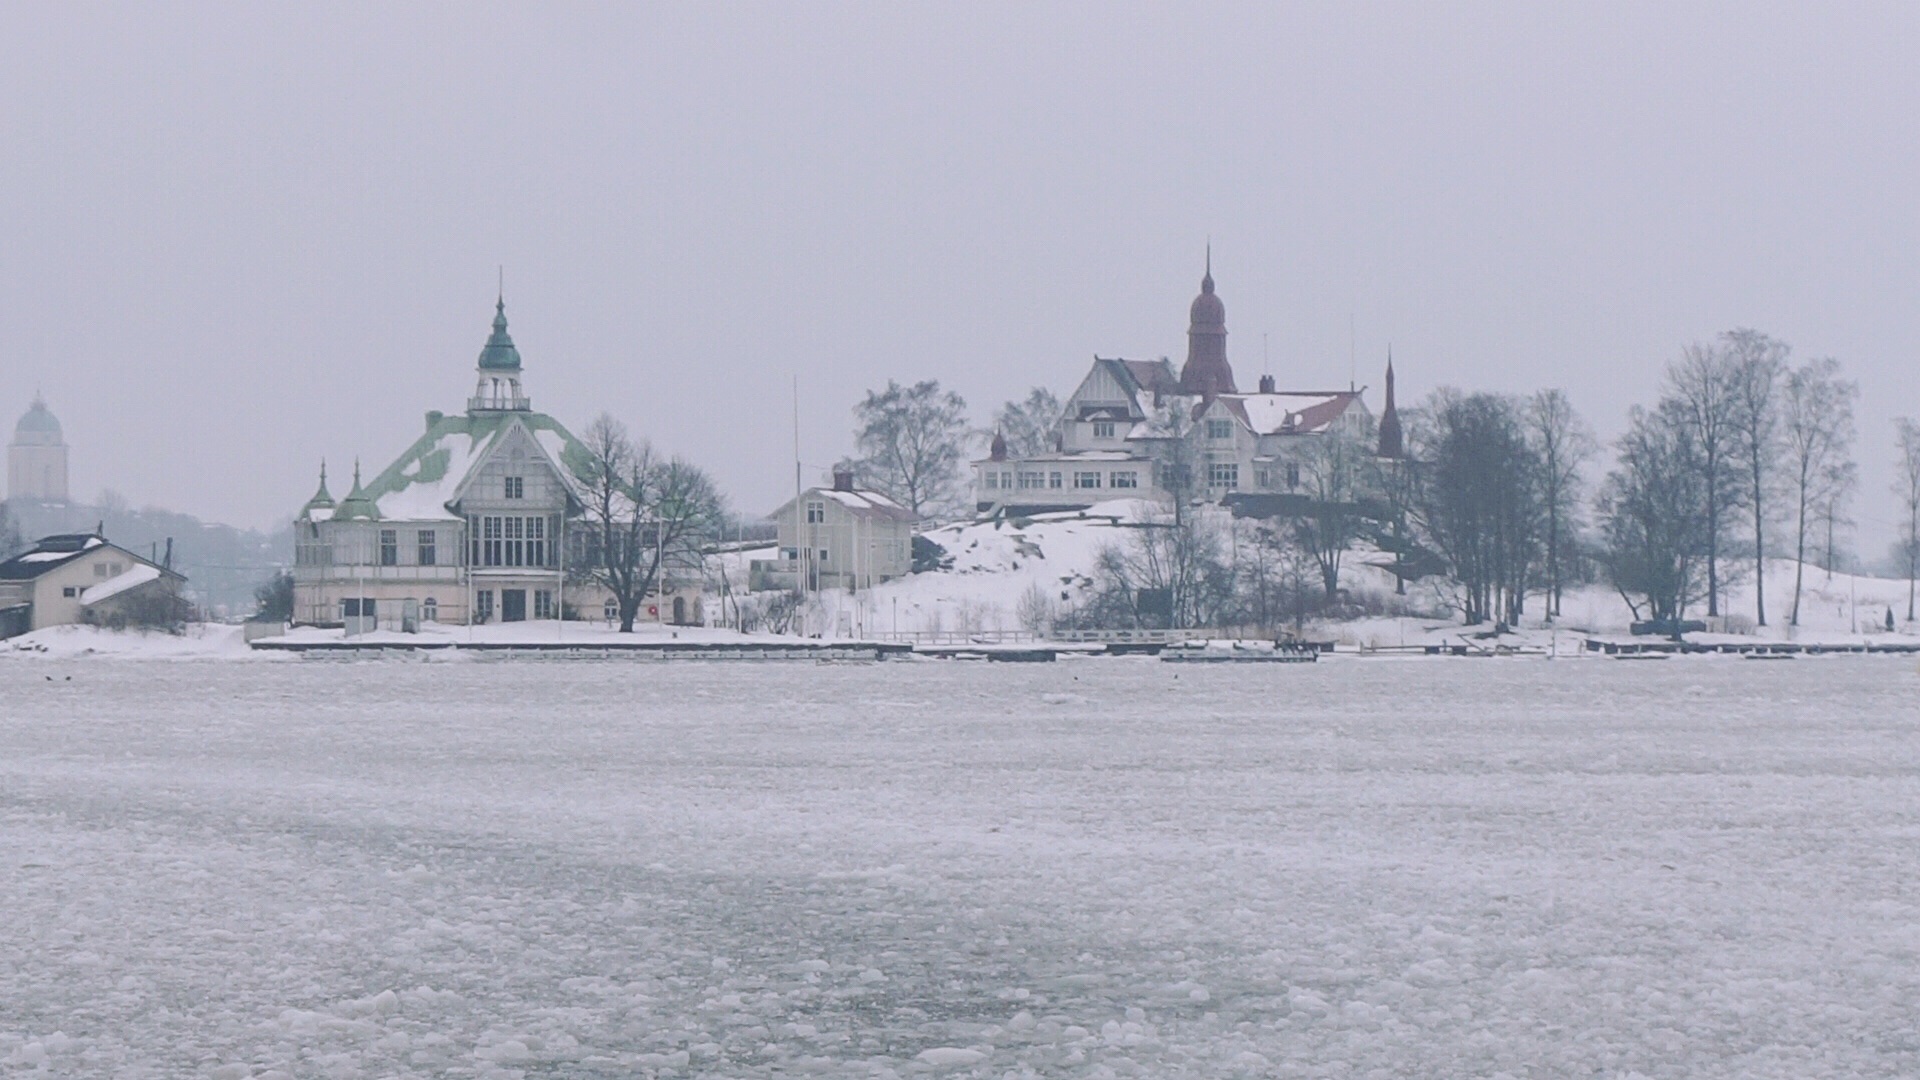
1369 639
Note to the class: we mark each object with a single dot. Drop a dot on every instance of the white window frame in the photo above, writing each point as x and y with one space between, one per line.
1086 481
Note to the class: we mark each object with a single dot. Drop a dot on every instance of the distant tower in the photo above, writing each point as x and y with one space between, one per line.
499 387
1392 441
1207 370
37 457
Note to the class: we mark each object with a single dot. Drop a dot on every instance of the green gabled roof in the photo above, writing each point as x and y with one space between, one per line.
430 474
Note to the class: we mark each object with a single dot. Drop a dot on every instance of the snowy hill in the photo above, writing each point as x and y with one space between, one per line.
991 565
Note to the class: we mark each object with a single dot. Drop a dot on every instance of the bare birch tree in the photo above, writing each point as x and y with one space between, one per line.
1562 445
1703 384
912 439
1906 485
1758 366
1816 424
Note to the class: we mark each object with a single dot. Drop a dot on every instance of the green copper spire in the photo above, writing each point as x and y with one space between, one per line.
356 505
322 497
499 353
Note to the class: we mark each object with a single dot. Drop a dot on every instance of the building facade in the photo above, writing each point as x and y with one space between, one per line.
76 578
37 457
838 537
471 524
1136 429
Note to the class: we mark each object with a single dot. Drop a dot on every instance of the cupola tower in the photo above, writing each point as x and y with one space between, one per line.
37 457
1207 371
498 388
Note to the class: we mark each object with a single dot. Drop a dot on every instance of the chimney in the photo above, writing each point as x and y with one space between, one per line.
1266 384
434 416
843 479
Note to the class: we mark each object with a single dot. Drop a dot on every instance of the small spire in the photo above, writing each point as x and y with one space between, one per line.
1206 282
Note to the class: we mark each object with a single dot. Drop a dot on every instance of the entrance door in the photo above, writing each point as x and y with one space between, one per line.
679 611
513 605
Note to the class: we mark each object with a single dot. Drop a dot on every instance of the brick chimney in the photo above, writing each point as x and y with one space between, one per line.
1266 384
843 480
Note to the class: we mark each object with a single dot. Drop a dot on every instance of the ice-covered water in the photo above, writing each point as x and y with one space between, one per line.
1098 868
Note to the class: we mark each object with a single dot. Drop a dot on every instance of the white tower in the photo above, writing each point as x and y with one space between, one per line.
37 457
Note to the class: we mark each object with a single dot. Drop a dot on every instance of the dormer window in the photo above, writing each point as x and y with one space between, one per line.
516 487
1103 429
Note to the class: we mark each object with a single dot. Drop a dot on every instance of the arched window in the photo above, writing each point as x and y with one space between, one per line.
430 610
611 611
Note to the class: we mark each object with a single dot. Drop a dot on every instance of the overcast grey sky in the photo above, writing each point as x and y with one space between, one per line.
238 239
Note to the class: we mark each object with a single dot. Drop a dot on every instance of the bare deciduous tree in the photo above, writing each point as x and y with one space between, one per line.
1334 467
1816 425
1652 515
1028 425
1758 364
1169 573
1480 500
1906 485
643 514
1562 445
1703 385
912 440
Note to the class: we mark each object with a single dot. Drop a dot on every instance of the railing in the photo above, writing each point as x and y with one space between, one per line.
956 637
308 573
499 404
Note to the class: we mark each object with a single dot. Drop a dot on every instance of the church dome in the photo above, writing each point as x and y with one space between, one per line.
37 425
1207 313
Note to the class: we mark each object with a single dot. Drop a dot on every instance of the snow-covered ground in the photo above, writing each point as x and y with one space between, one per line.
1363 867
200 641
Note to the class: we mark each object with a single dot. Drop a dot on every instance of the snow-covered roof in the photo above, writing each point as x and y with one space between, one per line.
49 553
860 502
1066 457
430 474
138 575
1289 412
